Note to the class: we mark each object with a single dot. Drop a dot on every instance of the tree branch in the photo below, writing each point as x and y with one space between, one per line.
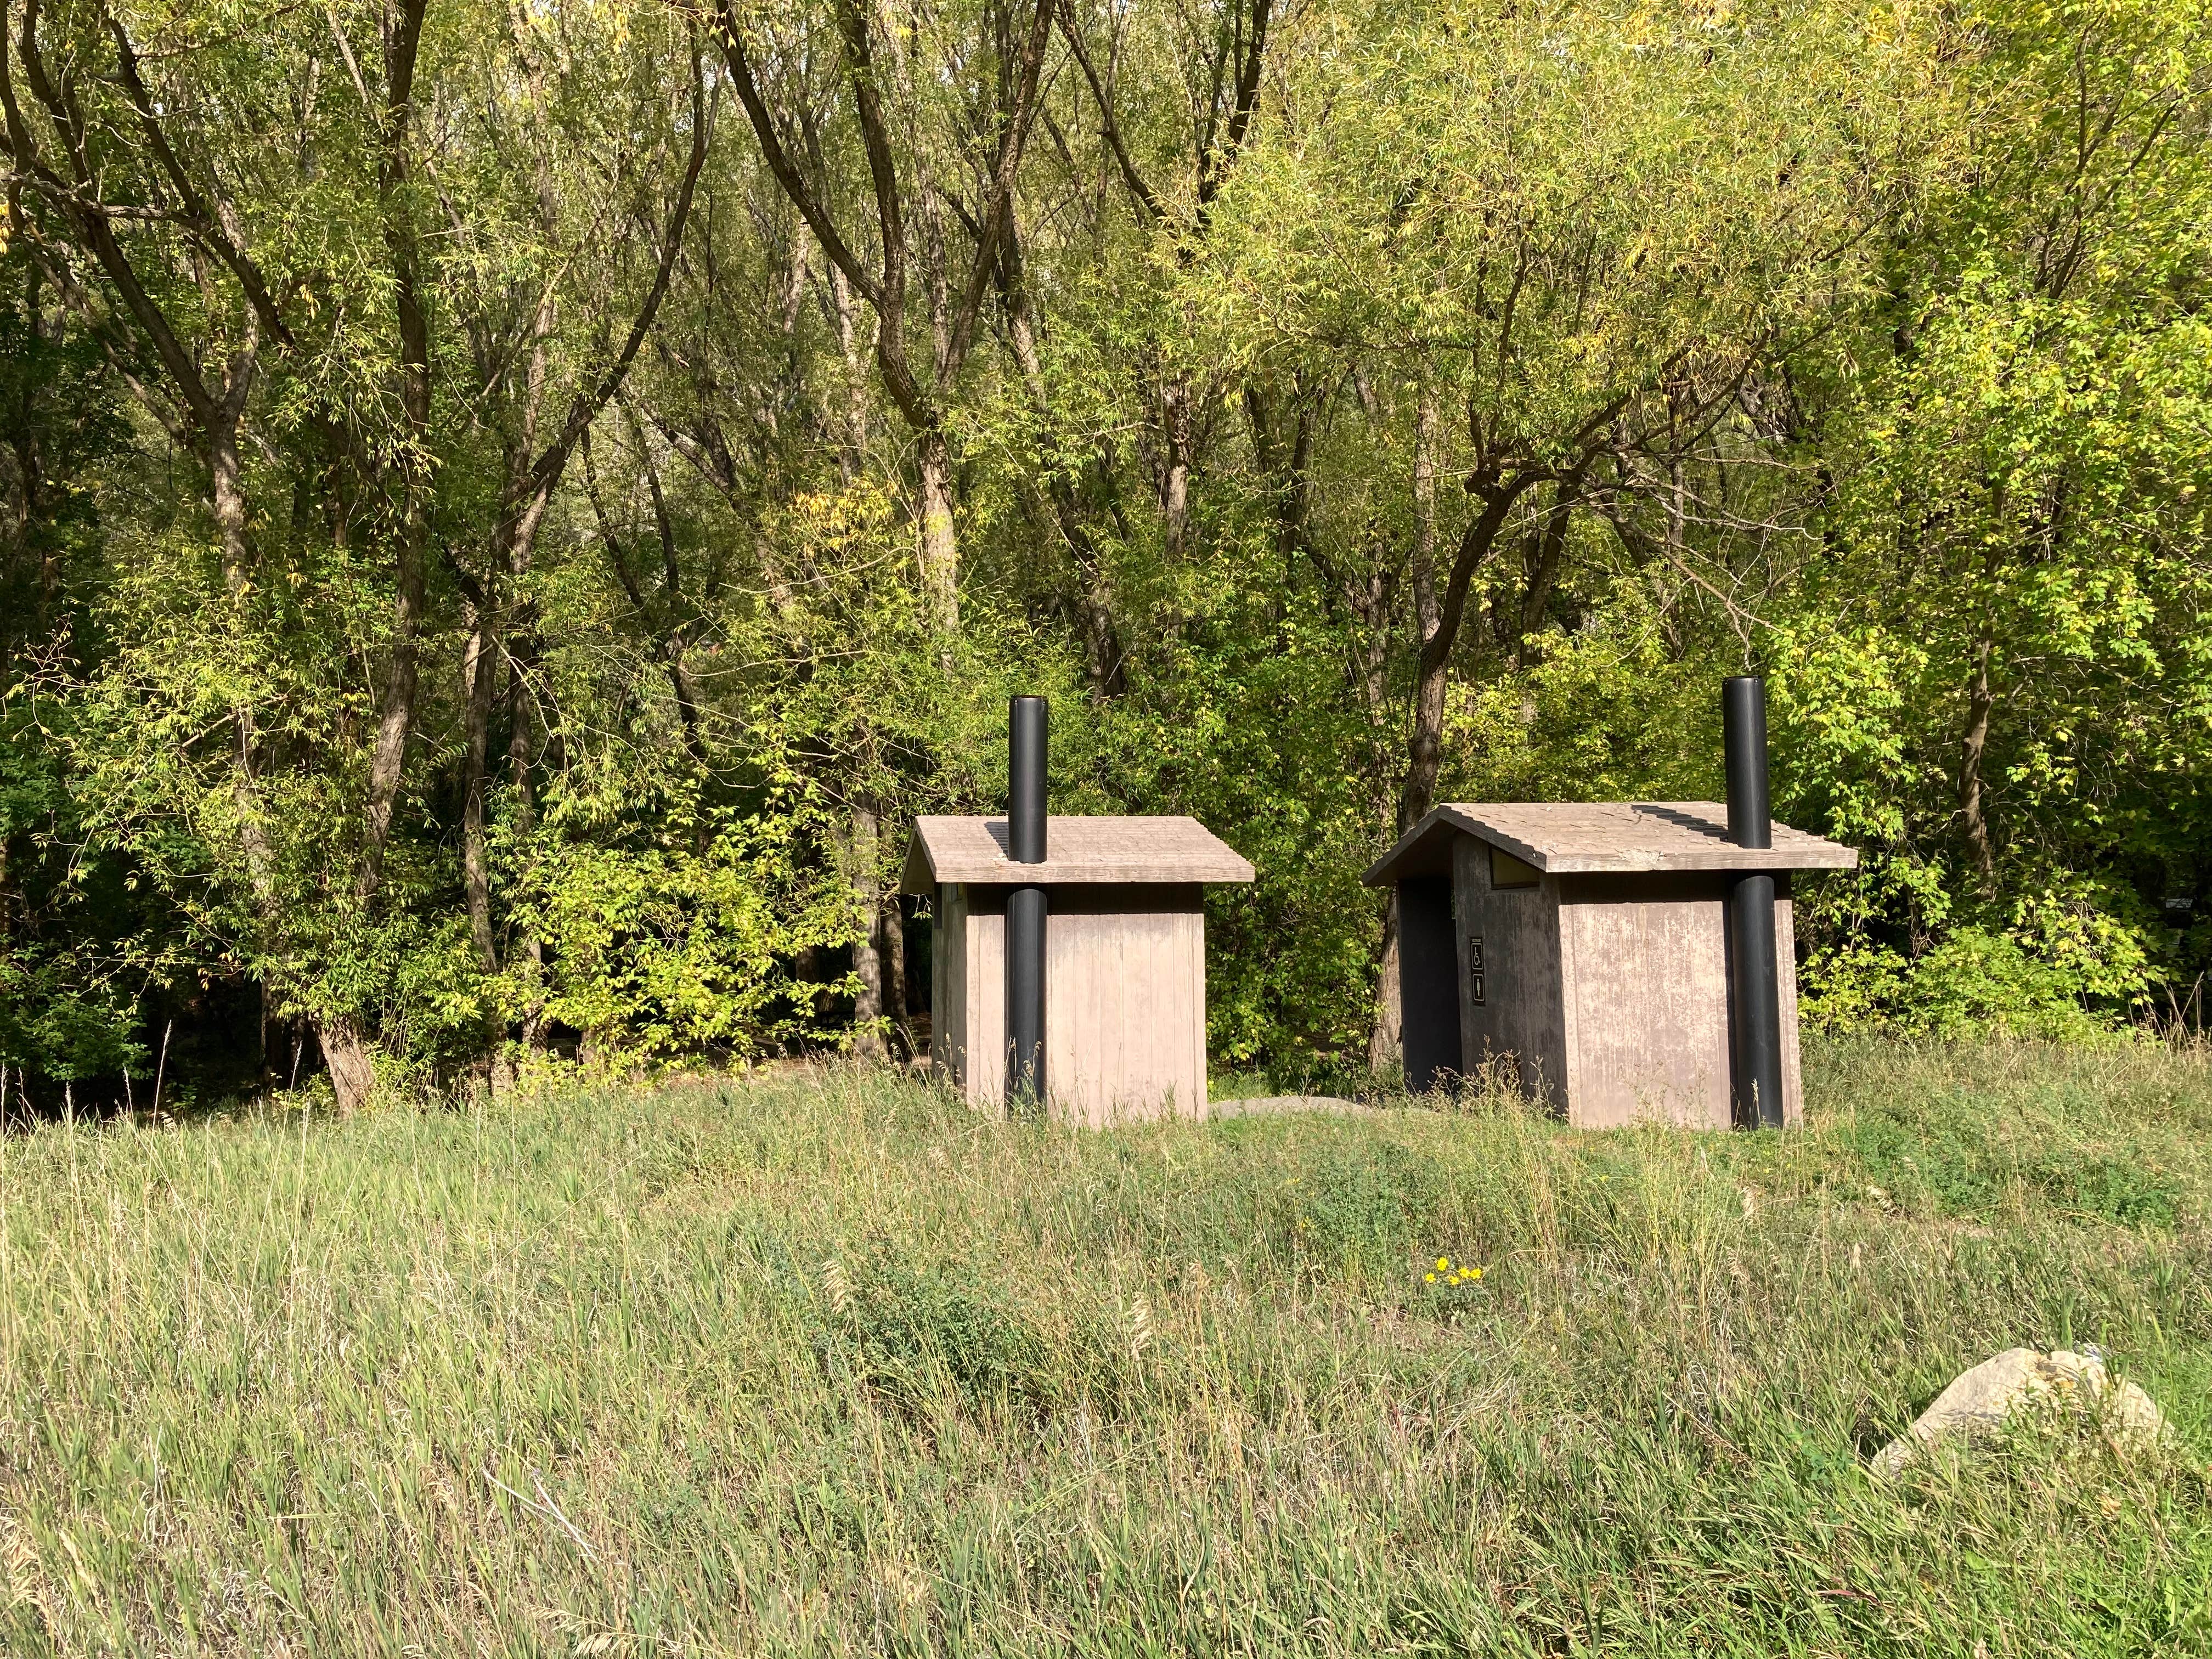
1108 128
883 174
547 469
90 216
205 224
1211 163
1498 498
1013 137
732 39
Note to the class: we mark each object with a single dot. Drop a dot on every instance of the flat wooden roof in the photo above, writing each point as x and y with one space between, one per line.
1603 836
1077 850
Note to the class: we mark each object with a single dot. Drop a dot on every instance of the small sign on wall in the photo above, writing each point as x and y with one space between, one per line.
1474 968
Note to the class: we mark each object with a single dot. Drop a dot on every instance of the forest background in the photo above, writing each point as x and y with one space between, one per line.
510 507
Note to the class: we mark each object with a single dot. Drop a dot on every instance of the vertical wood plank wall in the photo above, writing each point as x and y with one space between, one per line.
948 998
1125 1002
1785 956
1521 1013
1611 991
983 995
1125 998
1646 989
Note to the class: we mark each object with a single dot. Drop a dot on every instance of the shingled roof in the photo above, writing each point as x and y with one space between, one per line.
1079 849
1603 836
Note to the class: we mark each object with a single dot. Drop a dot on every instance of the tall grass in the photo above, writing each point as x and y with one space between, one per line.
827 1364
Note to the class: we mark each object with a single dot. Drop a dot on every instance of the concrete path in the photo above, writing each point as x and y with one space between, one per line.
1284 1103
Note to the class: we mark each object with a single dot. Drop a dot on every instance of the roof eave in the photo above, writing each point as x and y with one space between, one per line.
919 875
1082 875
1777 860
927 867
1415 848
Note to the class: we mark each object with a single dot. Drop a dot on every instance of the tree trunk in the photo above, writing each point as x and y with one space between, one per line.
1174 479
670 636
226 475
940 547
1371 601
529 949
852 452
890 927
1425 746
861 833
1973 798
1425 749
351 1062
1386 1039
226 478
519 547
1385 1043
396 720
387 763
479 673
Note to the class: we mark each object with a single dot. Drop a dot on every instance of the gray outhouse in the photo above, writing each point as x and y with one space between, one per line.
1124 958
1587 946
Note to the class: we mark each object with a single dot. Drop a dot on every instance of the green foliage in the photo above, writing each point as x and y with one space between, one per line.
1356 1214
1934 1149
1972 981
665 941
435 618
62 1013
67 1001
2020 501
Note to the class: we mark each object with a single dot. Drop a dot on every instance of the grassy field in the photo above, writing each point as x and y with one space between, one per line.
824 1364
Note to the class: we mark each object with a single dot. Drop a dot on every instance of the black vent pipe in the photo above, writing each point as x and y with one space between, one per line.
1754 993
1027 736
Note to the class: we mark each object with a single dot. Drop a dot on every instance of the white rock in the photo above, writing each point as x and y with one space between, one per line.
1979 1402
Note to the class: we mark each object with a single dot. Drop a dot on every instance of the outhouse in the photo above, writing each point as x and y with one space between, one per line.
1589 947
1098 925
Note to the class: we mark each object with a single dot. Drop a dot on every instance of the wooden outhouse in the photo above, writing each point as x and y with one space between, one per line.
1124 1015
1588 944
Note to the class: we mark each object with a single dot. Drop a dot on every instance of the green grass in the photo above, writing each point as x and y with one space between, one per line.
825 1363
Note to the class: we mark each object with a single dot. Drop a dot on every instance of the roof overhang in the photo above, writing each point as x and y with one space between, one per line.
1129 851
1601 838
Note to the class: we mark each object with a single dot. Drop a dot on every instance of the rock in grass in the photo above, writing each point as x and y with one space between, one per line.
1979 1402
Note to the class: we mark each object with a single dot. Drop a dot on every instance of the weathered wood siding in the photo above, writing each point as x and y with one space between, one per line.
968 1040
1785 958
1647 999
1646 972
948 1028
1611 991
1520 1012
1125 1002
1125 998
